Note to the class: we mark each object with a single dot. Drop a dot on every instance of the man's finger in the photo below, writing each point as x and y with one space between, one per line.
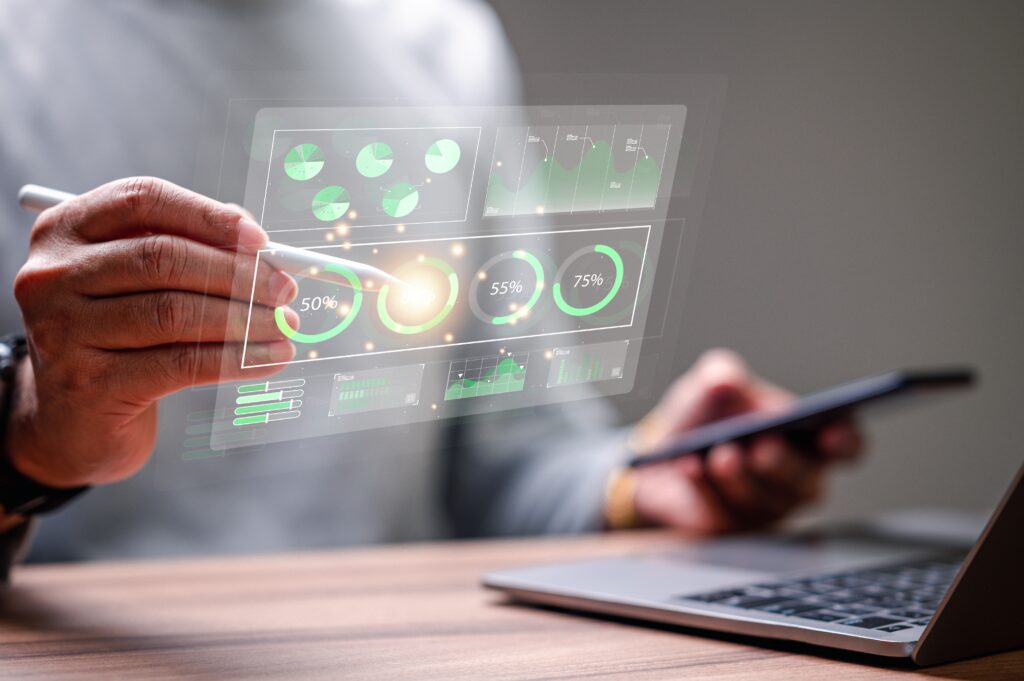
710 512
140 205
154 372
163 262
787 474
729 473
841 441
145 320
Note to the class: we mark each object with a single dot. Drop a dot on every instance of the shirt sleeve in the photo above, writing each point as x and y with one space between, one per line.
542 474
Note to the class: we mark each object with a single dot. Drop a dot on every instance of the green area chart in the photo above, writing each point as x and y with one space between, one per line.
507 376
593 184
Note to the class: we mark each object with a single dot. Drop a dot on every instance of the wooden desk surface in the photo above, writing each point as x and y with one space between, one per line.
395 612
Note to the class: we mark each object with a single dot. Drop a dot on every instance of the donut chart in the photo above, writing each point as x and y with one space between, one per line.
309 338
585 311
409 329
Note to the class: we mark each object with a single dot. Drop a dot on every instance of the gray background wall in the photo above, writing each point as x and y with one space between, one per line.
866 207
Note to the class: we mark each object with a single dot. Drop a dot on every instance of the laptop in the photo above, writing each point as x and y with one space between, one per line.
927 598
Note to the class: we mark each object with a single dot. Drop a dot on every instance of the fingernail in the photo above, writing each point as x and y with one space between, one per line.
250 235
292 318
283 288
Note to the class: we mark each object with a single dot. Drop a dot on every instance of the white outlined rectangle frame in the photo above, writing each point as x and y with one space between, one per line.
632 317
469 187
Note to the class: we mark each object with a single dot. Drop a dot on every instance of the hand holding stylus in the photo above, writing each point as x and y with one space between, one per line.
127 297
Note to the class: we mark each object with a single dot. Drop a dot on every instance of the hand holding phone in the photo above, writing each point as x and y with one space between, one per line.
799 421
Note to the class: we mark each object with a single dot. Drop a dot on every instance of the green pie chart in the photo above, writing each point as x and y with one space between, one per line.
442 156
374 159
303 162
330 203
401 200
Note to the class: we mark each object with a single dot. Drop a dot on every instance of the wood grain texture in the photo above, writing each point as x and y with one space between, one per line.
395 612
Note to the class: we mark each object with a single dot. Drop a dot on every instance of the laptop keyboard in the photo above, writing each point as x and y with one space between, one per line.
886 599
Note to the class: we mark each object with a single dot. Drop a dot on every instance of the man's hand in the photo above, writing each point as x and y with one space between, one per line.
736 488
126 297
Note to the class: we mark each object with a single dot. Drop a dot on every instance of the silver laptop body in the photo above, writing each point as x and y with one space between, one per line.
927 599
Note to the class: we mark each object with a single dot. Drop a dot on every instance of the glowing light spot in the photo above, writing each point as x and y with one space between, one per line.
548 354
498 164
434 407
400 229
428 180
352 215
481 275
344 309
341 228
368 283
448 338
313 271
312 354
376 251
368 345
501 351
513 307
417 294
421 258
458 249
540 210
347 245
329 236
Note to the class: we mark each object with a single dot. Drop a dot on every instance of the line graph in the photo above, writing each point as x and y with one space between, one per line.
490 375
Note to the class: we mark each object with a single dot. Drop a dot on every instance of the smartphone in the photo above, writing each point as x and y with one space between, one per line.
800 420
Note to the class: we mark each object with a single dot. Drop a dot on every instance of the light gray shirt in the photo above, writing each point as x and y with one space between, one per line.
100 90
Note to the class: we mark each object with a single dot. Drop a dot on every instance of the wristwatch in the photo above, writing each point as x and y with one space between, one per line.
19 494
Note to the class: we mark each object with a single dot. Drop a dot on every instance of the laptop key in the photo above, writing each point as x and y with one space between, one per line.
854 609
822 616
870 622
842 597
714 596
790 607
910 613
756 602
895 627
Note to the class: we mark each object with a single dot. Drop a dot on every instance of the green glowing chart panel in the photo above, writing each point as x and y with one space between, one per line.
463 291
587 363
552 169
337 179
357 392
491 375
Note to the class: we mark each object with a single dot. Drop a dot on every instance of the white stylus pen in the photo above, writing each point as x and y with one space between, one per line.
300 261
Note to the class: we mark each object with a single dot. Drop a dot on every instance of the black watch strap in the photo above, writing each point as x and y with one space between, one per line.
19 494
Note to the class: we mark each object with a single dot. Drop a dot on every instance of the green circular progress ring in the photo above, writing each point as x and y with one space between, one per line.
453 294
357 301
568 309
538 271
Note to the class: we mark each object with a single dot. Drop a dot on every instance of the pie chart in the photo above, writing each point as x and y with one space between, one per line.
374 159
303 162
331 203
442 156
400 200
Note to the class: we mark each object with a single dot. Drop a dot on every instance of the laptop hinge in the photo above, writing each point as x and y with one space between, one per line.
983 611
